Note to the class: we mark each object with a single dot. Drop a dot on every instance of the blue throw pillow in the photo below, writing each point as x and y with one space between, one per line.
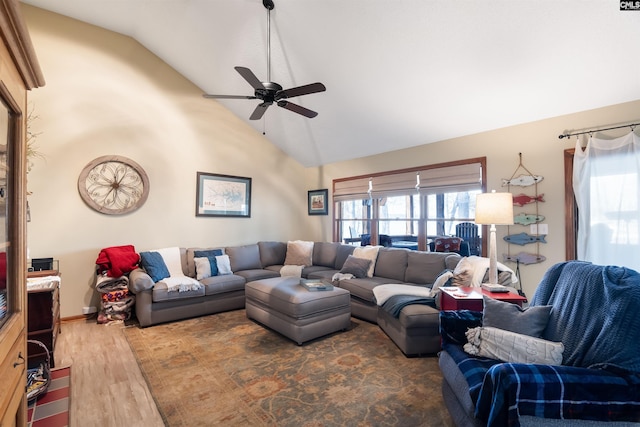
154 265
211 256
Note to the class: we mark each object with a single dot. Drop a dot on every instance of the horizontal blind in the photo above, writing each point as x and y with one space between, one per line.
463 177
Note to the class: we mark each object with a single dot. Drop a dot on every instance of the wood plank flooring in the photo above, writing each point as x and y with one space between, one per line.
107 387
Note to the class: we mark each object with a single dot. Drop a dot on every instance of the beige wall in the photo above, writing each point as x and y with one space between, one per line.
106 94
542 153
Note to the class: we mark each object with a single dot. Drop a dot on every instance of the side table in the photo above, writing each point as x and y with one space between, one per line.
470 298
43 313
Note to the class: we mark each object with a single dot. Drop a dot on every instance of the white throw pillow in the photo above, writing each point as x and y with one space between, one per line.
203 268
511 347
224 265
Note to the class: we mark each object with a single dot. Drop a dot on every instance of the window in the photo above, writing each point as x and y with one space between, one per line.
601 184
407 208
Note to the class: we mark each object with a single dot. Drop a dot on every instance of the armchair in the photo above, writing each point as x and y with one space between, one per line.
593 314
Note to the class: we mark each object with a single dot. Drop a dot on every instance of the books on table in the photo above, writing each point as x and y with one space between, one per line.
316 285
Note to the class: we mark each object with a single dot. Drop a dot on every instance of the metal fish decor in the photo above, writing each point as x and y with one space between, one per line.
524 258
523 180
527 219
524 238
522 199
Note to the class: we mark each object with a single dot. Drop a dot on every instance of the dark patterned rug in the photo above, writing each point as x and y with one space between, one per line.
226 370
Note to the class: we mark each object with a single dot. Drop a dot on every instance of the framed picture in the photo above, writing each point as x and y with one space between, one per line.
223 195
318 203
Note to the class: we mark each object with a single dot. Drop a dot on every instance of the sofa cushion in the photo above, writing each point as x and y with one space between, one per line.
245 257
391 263
272 253
215 285
511 347
299 252
205 267
188 264
257 274
154 265
324 253
224 265
529 321
356 266
202 269
162 293
363 288
341 255
424 267
370 253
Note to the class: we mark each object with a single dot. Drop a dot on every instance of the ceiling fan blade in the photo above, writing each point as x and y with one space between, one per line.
259 111
301 90
206 95
297 109
251 78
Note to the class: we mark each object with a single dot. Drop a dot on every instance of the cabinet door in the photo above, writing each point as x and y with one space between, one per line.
12 276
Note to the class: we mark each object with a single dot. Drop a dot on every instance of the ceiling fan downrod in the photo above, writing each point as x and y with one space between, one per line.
268 4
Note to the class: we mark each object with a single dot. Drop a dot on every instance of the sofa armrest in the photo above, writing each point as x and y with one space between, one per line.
454 325
139 281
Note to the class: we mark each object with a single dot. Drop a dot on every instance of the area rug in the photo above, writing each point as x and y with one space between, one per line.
226 370
52 408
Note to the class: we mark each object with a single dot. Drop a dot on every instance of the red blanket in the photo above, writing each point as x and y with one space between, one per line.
117 260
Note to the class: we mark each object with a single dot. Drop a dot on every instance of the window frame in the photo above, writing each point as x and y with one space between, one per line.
421 222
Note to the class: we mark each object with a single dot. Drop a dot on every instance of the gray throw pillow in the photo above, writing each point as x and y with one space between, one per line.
511 317
356 266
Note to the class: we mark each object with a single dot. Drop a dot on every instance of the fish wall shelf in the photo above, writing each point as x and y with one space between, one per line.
525 219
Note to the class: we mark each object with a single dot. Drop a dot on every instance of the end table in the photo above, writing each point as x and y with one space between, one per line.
470 298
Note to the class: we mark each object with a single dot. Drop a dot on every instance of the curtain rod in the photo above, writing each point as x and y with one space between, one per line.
567 135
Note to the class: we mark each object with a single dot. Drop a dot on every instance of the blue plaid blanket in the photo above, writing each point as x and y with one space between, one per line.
503 391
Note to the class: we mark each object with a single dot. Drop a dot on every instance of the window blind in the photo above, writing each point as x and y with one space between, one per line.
462 177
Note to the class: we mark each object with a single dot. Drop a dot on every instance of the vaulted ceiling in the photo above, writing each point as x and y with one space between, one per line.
398 73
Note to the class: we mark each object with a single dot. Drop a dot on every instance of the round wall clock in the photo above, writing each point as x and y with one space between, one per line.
113 185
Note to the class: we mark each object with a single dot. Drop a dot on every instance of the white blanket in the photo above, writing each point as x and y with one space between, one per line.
511 347
383 292
291 270
177 281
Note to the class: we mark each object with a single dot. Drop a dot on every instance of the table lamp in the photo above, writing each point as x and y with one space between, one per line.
494 209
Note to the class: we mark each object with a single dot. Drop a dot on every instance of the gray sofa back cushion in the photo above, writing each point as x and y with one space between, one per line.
391 263
188 265
424 267
341 255
244 257
324 253
272 253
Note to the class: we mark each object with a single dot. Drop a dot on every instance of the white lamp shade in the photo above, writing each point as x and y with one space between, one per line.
494 208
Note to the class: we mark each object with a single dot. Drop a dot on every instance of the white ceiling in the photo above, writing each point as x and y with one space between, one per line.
399 73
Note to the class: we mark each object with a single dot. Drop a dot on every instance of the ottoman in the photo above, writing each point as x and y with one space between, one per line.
285 306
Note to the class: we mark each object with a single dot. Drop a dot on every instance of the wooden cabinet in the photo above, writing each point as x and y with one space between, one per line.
19 72
43 324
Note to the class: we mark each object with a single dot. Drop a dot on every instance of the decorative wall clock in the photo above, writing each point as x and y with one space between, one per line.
113 185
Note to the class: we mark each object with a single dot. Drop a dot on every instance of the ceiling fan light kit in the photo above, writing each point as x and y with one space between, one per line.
269 92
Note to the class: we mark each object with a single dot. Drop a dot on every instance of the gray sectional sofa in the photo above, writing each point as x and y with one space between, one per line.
415 331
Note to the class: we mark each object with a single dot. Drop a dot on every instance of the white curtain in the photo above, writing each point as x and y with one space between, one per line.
606 184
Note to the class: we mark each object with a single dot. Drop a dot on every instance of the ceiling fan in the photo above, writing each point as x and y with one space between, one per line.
269 92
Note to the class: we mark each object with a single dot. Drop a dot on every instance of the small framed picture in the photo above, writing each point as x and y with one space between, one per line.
318 202
223 195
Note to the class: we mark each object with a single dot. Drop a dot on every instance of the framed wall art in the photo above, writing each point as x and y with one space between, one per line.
318 203
223 195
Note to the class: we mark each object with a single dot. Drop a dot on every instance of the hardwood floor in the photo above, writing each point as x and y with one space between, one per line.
107 387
